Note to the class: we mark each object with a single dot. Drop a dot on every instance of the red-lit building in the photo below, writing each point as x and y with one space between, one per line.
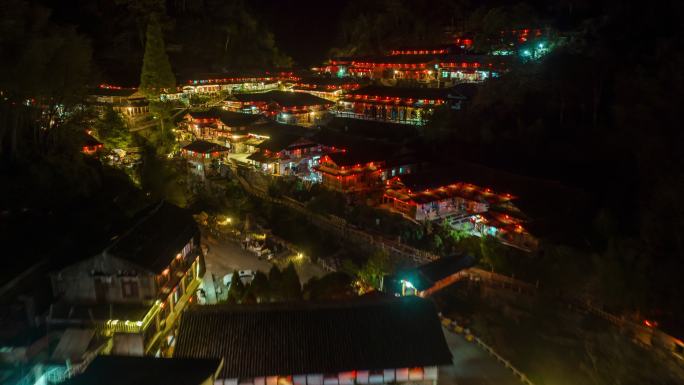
125 100
243 81
346 172
90 144
396 104
204 158
219 125
284 106
438 67
459 196
330 88
288 154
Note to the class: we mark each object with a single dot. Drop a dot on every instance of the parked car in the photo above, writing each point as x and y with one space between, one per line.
246 276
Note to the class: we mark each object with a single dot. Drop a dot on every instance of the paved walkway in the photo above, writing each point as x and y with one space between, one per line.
225 256
472 365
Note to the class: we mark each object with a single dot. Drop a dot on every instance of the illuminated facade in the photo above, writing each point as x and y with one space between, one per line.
134 291
236 82
126 101
395 104
463 205
283 106
219 125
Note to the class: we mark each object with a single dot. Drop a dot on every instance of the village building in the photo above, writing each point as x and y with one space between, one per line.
367 340
219 125
205 159
435 67
283 106
127 101
329 88
119 370
133 292
351 172
90 144
285 150
396 104
236 81
461 196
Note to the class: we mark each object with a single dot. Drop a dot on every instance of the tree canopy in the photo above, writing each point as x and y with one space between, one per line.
156 75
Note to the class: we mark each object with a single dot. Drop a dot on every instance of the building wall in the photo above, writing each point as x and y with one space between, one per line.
104 278
417 375
447 207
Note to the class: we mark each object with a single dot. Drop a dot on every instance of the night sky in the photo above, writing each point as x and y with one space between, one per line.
304 29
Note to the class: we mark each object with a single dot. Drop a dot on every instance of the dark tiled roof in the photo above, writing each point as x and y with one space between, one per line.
258 157
229 118
351 158
161 231
373 129
89 140
204 147
118 370
123 92
283 98
282 142
403 92
396 59
301 338
98 312
328 81
271 129
444 175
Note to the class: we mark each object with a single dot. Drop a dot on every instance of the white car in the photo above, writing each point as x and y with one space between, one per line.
246 276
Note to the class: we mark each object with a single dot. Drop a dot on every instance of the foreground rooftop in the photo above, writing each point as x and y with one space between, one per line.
302 338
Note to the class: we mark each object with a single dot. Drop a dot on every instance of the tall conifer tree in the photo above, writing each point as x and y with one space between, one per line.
156 74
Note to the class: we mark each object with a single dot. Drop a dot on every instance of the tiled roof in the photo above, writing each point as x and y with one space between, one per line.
403 92
160 233
229 118
63 311
290 339
117 370
204 147
283 98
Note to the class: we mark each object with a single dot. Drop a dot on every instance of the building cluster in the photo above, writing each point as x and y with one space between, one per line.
330 126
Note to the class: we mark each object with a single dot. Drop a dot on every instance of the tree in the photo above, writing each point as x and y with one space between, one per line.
112 131
161 179
156 74
236 292
260 287
275 283
290 286
377 266
332 286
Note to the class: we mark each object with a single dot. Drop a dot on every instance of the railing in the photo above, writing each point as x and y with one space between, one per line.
354 115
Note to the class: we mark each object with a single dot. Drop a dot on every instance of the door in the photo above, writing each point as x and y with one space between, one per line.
101 288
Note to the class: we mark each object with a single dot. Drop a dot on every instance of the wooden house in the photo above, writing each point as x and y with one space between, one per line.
461 196
329 88
283 106
396 104
204 158
135 289
219 125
